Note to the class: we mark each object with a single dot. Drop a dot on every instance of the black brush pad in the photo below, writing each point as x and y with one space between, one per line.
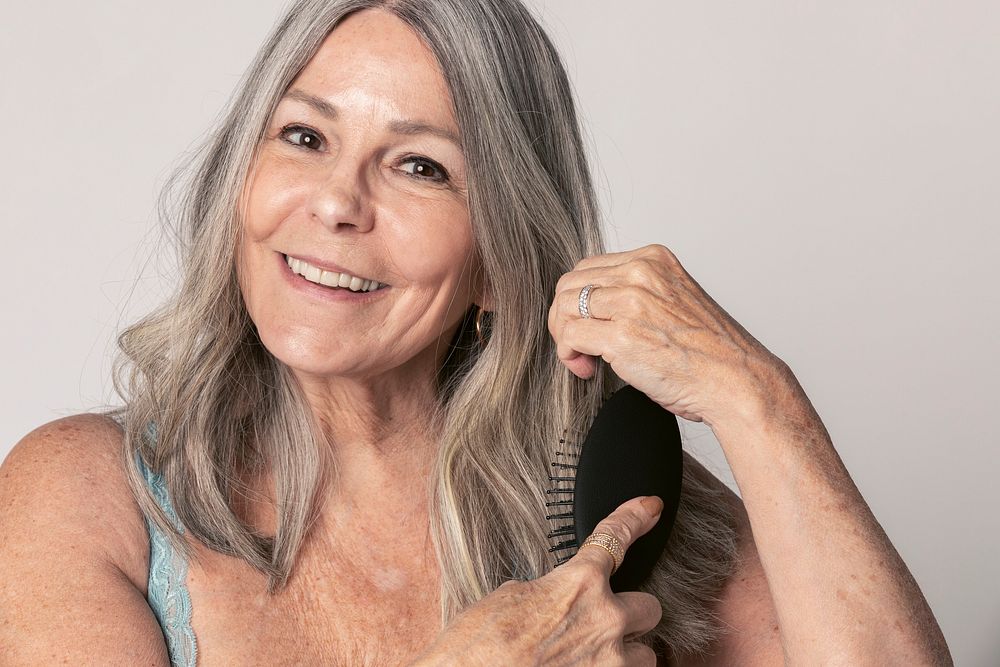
633 449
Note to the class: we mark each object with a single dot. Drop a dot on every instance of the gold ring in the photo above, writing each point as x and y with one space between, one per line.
611 544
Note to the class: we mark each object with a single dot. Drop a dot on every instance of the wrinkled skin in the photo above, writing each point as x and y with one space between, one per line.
570 616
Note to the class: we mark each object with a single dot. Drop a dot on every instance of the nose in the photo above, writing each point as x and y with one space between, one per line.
341 199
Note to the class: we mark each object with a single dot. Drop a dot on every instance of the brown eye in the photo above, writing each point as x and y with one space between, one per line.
425 169
308 138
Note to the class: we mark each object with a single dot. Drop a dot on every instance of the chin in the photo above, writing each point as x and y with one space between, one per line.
304 353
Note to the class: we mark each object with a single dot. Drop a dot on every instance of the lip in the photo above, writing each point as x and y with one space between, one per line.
321 292
326 266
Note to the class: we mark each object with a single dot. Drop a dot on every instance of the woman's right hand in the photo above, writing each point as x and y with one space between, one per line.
570 616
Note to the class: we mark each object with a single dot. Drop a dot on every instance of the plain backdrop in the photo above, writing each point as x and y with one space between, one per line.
829 173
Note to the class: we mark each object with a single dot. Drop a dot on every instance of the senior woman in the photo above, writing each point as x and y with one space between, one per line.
336 436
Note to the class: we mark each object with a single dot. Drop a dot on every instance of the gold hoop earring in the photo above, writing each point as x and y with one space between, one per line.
479 325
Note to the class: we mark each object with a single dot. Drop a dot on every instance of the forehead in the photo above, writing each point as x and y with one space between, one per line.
373 63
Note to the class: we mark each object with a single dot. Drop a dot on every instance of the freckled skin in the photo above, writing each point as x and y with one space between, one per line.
350 198
350 191
389 579
340 190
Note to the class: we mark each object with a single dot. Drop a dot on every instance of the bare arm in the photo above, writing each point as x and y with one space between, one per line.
71 585
840 591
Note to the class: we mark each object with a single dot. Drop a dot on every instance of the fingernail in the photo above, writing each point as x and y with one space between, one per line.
653 505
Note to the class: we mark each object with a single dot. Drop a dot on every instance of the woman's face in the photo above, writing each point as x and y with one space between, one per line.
357 174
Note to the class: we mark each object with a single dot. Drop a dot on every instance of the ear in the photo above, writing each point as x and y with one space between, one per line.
483 295
486 303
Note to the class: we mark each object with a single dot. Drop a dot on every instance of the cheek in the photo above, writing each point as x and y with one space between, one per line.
436 249
246 267
272 194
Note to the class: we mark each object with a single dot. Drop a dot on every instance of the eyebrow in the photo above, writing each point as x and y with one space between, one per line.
407 127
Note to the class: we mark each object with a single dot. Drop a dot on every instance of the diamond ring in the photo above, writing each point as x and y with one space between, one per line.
584 302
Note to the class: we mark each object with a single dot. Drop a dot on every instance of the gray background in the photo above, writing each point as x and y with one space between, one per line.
828 172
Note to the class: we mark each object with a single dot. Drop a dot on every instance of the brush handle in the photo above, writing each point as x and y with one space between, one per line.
633 448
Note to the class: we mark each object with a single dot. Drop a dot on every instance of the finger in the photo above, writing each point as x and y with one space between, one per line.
572 332
630 521
638 655
617 274
593 338
579 345
605 302
582 365
606 259
580 336
643 612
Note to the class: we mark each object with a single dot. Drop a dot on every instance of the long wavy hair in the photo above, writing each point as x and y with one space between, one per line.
220 402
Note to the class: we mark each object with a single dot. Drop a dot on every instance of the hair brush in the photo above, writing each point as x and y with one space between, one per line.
633 448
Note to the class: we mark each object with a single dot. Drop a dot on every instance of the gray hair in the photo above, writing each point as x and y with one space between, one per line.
221 402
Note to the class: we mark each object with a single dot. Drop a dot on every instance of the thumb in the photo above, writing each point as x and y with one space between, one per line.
581 365
627 523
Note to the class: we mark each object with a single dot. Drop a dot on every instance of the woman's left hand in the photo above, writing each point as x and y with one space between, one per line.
662 334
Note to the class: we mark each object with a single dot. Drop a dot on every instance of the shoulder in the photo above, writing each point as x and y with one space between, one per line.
74 551
67 479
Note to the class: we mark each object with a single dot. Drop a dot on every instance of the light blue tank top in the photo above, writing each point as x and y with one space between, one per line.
167 592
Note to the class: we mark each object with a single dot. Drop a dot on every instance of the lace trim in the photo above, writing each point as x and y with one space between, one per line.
167 591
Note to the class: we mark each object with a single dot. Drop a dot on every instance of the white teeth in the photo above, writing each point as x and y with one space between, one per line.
331 278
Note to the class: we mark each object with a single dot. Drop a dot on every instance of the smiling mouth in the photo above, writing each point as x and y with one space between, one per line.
331 279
